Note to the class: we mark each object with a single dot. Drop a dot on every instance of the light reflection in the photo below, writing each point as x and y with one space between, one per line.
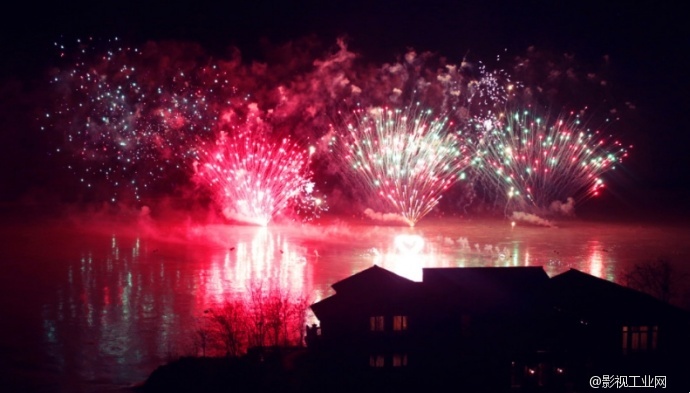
267 258
137 248
409 253
406 255
409 244
103 310
116 250
594 260
598 261
152 291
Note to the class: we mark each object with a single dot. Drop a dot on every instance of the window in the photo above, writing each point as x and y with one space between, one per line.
376 324
400 360
376 361
400 322
639 338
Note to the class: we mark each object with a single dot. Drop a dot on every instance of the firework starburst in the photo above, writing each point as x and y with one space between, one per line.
401 160
252 178
535 164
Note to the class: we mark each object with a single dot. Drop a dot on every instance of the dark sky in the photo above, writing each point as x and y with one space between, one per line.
647 42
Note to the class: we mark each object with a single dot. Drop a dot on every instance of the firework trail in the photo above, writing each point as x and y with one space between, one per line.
253 179
535 164
401 160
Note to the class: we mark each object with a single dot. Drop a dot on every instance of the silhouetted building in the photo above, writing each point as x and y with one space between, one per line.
494 329
602 328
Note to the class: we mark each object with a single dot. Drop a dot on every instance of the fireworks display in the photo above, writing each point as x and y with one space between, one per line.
160 119
253 179
402 161
131 116
538 165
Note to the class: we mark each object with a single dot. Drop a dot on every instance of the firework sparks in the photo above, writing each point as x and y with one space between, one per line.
402 161
534 164
253 179
129 115
134 120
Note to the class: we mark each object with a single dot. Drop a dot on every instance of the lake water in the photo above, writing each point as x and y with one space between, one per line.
97 305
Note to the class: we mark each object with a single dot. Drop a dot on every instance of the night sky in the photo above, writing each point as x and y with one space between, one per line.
646 43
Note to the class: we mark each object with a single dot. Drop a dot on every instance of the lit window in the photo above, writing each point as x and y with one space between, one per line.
639 338
376 323
376 361
625 339
400 360
644 337
400 322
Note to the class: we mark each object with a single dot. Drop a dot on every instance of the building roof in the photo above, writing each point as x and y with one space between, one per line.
372 287
495 289
374 277
582 293
487 287
514 278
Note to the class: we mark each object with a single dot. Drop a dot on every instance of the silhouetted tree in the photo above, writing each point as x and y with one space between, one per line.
267 315
657 278
230 326
202 339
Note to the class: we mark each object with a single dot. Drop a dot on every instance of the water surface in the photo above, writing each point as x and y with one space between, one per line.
97 305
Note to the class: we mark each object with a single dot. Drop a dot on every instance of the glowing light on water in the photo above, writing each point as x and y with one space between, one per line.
408 254
155 293
401 160
538 165
267 259
409 244
595 262
598 262
252 179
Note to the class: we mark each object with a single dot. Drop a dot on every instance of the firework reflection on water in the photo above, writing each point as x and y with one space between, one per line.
109 303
